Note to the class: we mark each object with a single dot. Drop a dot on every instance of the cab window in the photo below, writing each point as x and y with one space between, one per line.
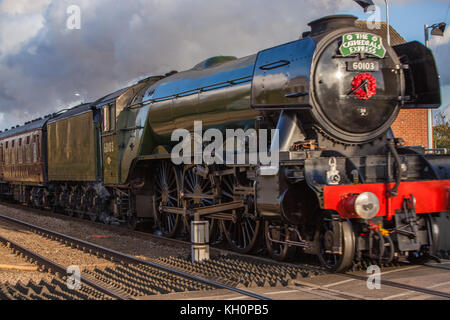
109 118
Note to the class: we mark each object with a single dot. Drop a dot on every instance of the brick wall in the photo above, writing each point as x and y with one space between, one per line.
411 126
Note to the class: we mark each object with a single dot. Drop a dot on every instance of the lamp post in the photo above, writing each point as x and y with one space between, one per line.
388 26
436 30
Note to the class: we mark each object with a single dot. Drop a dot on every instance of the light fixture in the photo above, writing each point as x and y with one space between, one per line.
367 5
366 205
438 29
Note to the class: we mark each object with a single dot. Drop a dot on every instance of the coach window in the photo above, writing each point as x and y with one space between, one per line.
13 152
19 151
38 143
6 152
27 150
34 149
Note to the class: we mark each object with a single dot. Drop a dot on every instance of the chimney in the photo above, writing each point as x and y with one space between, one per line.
331 23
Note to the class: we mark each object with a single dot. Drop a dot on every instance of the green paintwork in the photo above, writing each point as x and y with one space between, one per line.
110 158
145 130
222 108
72 149
227 108
130 127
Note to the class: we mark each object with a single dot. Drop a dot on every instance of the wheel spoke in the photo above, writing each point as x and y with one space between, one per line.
166 188
245 235
208 202
250 224
190 184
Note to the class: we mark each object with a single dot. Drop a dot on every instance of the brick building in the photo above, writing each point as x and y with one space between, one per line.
411 125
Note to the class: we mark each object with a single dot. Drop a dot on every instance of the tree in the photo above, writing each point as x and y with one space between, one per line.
441 132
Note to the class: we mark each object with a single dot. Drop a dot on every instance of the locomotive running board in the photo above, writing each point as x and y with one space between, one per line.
204 211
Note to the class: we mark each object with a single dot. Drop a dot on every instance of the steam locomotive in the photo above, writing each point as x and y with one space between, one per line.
344 189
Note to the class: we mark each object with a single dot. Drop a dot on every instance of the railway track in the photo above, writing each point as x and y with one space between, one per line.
399 285
129 270
48 265
231 268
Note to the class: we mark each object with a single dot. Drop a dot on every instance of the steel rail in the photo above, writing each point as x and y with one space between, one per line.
402 286
125 257
57 268
443 267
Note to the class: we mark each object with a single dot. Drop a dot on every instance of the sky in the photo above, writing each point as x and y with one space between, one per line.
46 66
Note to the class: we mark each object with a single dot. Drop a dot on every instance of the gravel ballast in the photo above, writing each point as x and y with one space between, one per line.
120 240
53 250
8 258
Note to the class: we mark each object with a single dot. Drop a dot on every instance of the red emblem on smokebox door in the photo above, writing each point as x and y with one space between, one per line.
364 86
